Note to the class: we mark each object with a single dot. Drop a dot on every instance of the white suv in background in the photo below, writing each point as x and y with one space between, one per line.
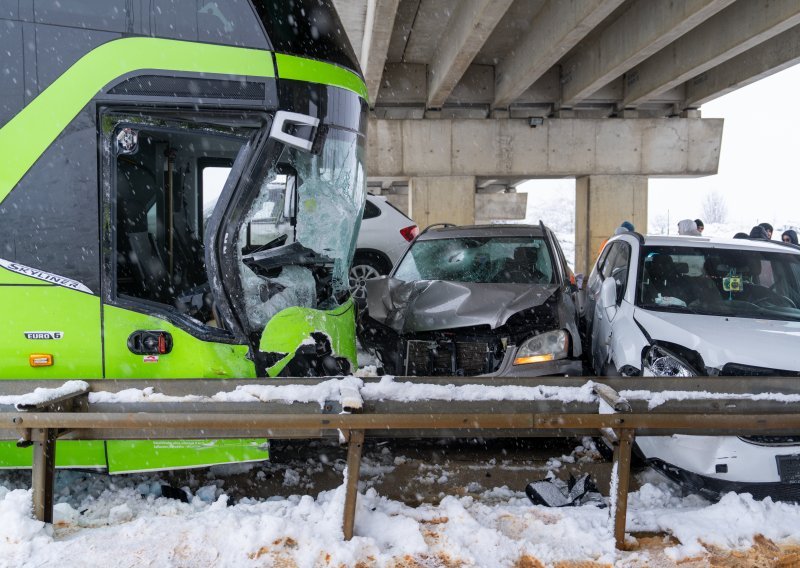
383 238
693 306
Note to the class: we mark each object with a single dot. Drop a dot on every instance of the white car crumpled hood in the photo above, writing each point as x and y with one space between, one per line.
721 340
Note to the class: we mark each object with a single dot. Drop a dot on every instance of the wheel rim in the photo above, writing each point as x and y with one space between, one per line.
358 277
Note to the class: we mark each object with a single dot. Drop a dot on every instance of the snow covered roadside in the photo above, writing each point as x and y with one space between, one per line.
129 525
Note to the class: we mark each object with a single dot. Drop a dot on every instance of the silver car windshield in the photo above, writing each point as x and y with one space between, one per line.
721 282
518 259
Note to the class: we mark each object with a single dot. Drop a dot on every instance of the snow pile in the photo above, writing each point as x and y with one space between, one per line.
498 527
389 389
333 389
43 395
655 399
20 535
330 390
732 523
147 394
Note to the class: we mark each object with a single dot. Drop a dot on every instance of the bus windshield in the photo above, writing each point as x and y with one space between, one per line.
298 238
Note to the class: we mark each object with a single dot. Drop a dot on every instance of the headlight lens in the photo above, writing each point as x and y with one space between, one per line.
543 347
658 362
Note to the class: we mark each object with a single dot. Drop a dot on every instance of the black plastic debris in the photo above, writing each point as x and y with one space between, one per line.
552 492
171 492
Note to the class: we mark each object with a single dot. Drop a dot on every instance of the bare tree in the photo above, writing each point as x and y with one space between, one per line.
659 225
715 209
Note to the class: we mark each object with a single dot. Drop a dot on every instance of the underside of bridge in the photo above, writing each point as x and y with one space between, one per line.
471 97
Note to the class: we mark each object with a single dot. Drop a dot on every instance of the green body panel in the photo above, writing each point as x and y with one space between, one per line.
191 358
77 355
313 71
149 455
287 330
82 454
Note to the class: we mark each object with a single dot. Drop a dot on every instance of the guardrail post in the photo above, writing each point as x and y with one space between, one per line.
43 473
622 468
356 443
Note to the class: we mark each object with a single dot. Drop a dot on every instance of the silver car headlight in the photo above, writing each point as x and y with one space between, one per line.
658 362
543 347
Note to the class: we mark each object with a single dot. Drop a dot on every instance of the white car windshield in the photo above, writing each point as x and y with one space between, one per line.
721 282
518 260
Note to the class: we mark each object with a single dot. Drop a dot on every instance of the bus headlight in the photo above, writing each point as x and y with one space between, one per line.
543 347
658 362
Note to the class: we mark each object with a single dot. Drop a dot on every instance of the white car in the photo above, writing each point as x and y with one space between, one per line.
686 306
383 238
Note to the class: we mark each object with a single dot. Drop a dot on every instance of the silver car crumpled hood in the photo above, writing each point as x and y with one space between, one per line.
430 305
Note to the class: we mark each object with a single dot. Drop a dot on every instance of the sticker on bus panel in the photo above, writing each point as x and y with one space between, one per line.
44 335
44 276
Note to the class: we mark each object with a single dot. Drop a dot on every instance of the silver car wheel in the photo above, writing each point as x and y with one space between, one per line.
359 274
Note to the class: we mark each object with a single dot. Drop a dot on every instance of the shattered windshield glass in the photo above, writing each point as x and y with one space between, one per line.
298 238
518 260
721 282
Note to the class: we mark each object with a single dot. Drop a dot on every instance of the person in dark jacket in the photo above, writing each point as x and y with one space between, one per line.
759 232
768 228
741 236
789 236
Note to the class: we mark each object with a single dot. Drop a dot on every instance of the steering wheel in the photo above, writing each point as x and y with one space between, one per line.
776 301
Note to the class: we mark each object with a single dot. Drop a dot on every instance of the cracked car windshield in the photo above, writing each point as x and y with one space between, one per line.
721 282
513 260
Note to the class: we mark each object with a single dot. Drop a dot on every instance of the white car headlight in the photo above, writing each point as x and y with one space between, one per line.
658 362
543 347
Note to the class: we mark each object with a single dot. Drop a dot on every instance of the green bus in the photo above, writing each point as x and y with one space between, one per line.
181 187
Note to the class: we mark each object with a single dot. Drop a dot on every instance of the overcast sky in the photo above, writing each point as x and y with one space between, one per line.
759 170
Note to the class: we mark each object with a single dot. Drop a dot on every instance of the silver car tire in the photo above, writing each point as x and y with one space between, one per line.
363 269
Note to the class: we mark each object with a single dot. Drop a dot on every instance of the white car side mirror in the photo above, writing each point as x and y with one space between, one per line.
608 298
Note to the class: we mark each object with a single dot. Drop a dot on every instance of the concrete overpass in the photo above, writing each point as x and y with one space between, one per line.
471 97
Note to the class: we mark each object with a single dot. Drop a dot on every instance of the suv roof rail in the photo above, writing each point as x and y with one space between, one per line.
443 225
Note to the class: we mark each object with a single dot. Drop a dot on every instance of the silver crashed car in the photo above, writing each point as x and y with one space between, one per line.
476 300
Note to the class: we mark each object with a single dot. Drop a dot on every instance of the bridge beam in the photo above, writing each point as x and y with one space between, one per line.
558 147
375 43
645 28
732 31
470 26
773 55
558 27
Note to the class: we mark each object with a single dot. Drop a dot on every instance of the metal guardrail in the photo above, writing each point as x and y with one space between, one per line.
718 406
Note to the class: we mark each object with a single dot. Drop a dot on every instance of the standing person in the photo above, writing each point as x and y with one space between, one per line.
768 228
700 226
759 232
789 236
625 227
687 227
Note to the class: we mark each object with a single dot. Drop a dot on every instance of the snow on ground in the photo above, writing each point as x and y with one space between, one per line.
123 521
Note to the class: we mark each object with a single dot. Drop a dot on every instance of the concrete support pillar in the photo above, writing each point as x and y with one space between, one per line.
601 204
442 199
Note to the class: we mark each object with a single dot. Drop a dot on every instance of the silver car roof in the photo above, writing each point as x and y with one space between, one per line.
481 231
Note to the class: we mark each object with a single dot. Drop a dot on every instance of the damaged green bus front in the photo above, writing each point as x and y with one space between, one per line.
180 194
